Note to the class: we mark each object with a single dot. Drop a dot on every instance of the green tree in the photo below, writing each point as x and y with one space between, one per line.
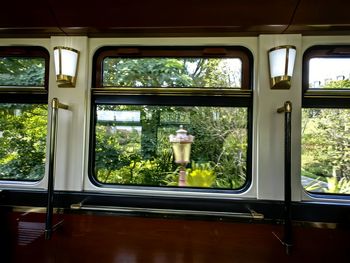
16 71
170 72
326 141
22 141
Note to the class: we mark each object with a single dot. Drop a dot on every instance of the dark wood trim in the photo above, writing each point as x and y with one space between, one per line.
310 211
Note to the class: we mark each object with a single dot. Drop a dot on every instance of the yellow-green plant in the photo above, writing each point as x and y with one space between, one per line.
334 186
314 185
201 175
172 178
340 187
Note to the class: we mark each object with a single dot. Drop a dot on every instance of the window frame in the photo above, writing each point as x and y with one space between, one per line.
321 98
229 97
25 94
152 52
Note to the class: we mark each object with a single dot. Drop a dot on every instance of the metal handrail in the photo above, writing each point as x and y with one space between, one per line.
250 215
55 105
287 110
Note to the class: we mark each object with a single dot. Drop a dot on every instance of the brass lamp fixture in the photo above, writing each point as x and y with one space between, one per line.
181 143
281 64
66 64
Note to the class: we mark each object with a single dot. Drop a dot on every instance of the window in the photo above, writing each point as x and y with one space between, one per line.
326 120
23 112
143 95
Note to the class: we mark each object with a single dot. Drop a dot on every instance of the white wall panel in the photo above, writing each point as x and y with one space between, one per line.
71 123
270 125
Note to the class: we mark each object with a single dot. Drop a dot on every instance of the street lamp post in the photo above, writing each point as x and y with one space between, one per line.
181 143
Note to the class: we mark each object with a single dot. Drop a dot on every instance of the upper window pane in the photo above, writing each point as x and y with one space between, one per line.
172 72
173 69
329 73
22 71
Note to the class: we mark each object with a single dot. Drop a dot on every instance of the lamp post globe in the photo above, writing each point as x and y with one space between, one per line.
181 144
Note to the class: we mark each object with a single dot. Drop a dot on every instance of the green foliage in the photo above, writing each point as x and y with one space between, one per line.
224 131
144 156
170 72
137 172
114 150
172 178
326 147
338 84
326 141
16 71
22 141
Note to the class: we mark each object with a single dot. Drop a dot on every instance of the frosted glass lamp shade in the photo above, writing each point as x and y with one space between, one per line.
66 64
281 64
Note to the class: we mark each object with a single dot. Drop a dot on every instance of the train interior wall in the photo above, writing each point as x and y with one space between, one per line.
125 237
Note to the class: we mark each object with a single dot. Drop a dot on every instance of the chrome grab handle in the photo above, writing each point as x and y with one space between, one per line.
55 106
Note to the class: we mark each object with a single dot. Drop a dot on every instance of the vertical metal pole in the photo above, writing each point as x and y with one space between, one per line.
182 175
55 105
287 109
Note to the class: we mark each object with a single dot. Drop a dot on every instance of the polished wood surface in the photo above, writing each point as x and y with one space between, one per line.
117 238
177 18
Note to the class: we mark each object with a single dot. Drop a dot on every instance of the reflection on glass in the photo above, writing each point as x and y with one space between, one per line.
136 150
326 150
329 73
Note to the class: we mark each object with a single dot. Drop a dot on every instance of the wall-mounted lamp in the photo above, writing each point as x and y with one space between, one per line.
281 62
66 64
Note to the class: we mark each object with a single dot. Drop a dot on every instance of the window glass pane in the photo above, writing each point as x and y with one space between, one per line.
132 145
22 141
329 73
326 150
172 72
17 71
